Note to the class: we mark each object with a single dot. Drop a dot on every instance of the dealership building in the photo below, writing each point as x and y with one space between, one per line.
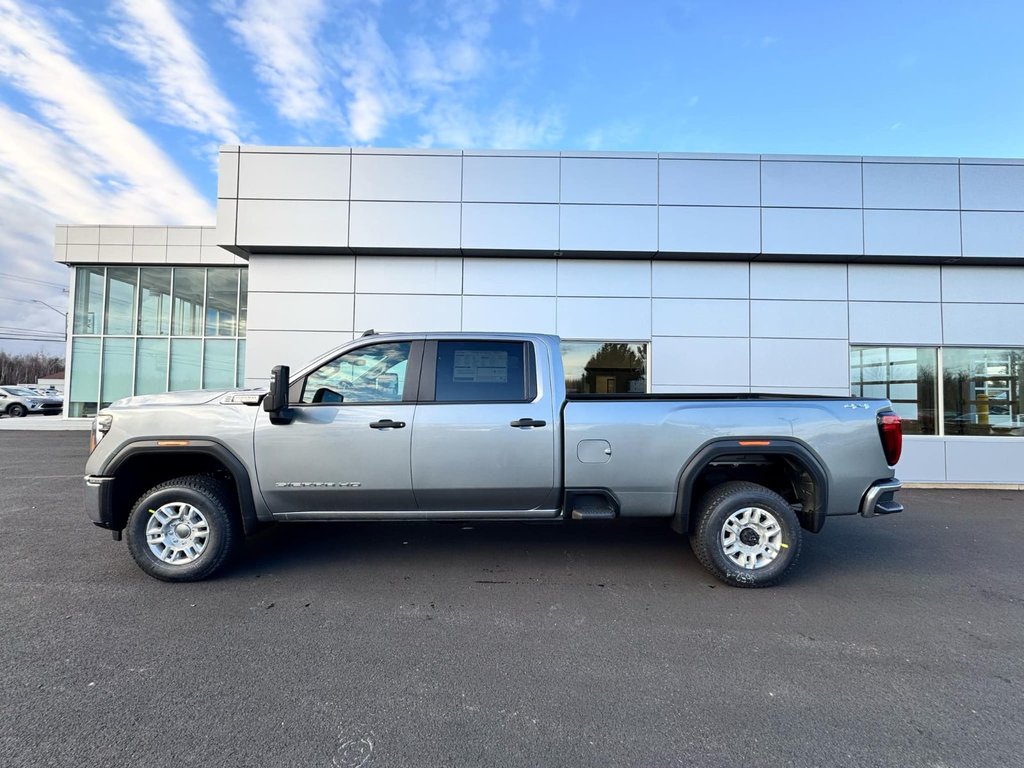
877 276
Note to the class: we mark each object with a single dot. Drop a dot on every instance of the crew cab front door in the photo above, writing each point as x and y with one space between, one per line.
346 448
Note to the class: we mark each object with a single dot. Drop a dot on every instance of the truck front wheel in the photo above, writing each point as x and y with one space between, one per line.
746 534
184 529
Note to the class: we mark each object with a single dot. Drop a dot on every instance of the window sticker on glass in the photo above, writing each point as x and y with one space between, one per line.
481 366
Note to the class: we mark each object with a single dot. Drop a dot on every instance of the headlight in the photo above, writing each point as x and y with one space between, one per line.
100 427
31 403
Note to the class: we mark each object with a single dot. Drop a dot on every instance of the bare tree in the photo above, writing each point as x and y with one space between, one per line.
28 368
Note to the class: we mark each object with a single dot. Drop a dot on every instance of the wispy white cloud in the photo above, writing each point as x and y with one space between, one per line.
32 235
363 83
372 79
459 53
151 32
77 159
617 135
437 77
510 126
124 161
536 11
282 38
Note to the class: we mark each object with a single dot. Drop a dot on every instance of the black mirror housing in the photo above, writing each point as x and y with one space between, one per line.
276 401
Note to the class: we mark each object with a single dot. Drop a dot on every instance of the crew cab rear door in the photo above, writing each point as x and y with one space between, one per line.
346 446
485 433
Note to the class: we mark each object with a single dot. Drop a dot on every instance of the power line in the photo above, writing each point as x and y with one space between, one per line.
57 340
11 298
34 331
32 280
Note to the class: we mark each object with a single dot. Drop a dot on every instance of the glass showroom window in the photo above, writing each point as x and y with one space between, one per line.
904 375
983 390
609 367
145 330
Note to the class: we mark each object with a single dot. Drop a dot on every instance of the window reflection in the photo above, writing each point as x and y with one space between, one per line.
151 367
120 304
130 312
88 299
243 299
186 361
221 302
373 374
982 391
154 302
118 368
611 367
903 375
187 316
85 377
240 363
219 364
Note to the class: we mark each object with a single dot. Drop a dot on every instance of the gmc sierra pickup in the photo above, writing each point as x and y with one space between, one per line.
478 426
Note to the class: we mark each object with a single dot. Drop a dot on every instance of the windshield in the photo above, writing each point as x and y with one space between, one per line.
19 391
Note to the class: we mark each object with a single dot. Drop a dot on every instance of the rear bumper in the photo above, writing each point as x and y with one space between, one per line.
98 492
880 499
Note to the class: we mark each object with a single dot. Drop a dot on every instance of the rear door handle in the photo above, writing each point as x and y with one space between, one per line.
386 424
528 423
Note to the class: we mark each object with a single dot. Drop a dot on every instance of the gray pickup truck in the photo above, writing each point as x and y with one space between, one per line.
478 426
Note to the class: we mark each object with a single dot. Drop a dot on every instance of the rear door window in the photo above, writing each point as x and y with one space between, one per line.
484 372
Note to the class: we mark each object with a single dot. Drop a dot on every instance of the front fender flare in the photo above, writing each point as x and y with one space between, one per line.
191 446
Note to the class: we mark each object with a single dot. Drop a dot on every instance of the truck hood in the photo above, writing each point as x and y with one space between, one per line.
192 397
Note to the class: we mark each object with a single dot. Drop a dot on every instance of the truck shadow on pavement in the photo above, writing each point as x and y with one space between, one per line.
641 548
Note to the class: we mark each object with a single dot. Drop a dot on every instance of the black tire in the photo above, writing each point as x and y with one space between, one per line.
17 410
716 509
214 504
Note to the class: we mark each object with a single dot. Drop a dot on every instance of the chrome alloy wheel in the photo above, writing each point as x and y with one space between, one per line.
177 533
751 537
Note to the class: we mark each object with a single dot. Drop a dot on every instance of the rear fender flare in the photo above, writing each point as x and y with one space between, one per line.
734 446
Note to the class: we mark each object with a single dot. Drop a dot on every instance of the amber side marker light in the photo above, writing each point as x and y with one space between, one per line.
755 442
172 443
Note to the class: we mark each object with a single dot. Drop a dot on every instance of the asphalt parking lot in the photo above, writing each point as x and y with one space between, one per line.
898 641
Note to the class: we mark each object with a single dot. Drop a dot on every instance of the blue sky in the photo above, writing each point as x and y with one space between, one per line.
111 112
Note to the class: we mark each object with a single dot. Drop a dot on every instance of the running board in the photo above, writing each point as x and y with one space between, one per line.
466 514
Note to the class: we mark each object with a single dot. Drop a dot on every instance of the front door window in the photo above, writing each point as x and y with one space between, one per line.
373 374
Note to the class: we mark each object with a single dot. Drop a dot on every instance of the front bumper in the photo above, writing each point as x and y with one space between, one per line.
45 407
98 492
880 499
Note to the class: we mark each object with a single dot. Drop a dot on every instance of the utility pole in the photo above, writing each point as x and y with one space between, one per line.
62 314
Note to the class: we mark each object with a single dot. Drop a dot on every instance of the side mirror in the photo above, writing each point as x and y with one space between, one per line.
276 401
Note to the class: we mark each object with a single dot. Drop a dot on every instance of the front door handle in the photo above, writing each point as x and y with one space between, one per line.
386 424
528 423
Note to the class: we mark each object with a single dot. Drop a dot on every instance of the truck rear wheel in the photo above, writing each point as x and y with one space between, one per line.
746 534
184 529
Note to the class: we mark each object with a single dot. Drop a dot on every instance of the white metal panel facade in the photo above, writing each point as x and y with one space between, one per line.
741 272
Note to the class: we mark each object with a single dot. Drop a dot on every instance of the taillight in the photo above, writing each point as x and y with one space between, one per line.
891 432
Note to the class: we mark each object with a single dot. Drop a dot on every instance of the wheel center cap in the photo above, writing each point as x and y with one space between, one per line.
749 537
182 531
